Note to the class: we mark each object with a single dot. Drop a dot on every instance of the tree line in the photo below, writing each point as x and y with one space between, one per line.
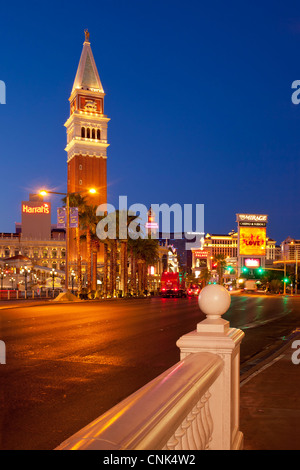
125 258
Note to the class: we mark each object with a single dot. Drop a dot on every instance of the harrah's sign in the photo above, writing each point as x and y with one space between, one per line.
42 209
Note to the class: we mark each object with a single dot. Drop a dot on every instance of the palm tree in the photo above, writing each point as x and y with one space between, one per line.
205 275
221 263
88 222
76 200
144 252
116 252
110 254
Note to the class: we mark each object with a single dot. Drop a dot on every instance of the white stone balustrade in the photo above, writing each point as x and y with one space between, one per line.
194 405
214 335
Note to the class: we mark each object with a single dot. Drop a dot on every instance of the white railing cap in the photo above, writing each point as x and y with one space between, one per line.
214 300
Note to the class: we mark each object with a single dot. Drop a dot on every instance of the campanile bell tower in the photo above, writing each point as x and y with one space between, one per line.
87 131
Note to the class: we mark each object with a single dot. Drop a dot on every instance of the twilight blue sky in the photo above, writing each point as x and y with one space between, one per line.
199 96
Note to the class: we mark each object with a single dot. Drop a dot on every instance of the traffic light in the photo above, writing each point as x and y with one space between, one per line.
260 270
286 279
245 270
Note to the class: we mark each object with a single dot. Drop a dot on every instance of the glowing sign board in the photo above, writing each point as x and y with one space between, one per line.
252 218
27 208
252 241
252 262
201 254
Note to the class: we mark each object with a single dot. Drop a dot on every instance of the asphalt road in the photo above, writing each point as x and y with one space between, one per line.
69 363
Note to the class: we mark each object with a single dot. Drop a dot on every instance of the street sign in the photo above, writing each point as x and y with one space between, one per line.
62 218
73 217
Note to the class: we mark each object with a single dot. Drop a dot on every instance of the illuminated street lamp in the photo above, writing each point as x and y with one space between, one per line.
12 282
44 192
72 277
25 271
53 274
2 276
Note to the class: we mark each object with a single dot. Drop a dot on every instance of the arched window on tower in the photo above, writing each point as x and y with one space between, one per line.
98 134
83 132
93 134
88 133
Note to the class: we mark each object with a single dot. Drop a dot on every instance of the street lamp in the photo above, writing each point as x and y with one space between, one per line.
53 274
2 276
12 282
25 271
44 192
72 277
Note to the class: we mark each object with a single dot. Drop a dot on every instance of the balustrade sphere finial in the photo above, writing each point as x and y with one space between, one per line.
214 300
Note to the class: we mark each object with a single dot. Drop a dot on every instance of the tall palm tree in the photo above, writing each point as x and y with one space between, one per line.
116 251
110 255
88 222
145 254
76 200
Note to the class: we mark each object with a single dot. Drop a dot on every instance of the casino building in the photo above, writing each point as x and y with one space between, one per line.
36 244
247 248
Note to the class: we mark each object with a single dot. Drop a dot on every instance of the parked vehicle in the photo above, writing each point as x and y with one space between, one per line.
193 290
250 285
172 285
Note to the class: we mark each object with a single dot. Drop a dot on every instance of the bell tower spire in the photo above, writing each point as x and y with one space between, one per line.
87 130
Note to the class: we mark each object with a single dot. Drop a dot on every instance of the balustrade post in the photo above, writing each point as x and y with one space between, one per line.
214 335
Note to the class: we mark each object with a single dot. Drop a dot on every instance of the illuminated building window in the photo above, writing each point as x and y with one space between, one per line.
45 253
54 265
54 253
63 253
6 252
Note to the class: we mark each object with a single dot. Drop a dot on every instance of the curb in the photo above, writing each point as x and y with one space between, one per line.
266 358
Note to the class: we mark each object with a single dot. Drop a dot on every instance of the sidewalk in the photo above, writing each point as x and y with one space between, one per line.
4 304
270 402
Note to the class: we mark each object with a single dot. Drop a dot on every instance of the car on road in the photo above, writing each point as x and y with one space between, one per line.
193 290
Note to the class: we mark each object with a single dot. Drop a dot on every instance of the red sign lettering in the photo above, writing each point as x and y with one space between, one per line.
43 209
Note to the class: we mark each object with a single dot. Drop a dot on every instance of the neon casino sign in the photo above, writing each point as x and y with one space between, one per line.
43 209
